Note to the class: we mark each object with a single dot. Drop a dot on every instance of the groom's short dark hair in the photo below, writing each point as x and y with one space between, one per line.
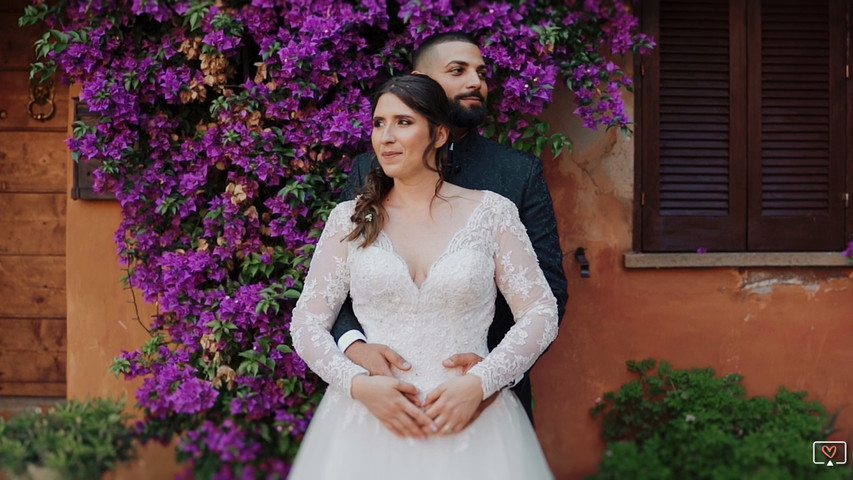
438 39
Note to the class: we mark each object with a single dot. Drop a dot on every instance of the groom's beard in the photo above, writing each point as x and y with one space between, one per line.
467 117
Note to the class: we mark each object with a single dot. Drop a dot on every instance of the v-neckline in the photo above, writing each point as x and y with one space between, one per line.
444 253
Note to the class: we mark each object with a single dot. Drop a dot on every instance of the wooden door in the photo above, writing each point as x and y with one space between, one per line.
33 197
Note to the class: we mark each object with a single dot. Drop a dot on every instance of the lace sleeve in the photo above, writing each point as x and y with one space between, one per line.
326 287
533 305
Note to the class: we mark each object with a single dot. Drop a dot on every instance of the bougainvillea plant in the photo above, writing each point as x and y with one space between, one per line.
225 132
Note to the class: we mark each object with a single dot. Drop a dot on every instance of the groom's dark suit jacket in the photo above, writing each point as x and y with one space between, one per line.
482 164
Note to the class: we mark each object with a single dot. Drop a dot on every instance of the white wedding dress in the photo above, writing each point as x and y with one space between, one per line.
448 313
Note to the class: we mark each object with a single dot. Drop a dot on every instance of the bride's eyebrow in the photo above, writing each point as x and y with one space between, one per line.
402 116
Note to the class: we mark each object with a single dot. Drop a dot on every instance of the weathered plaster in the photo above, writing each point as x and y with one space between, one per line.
775 325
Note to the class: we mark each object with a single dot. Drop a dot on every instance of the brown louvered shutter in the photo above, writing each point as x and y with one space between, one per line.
797 115
693 127
742 129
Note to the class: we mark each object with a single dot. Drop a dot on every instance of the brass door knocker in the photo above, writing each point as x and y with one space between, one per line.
41 94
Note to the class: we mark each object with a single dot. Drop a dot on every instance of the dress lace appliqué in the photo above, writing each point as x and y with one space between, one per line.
449 313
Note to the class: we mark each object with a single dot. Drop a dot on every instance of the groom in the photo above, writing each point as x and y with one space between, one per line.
455 62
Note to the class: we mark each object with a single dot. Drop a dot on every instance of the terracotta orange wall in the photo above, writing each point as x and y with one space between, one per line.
782 326
101 320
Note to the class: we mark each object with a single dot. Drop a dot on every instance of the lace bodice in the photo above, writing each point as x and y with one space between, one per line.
448 313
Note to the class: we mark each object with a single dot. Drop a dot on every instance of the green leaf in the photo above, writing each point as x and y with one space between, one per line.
120 366
489 131
539 145
558 143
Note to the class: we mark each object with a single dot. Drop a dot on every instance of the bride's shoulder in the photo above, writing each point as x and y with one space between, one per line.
341 213
474 197
484 200
345 206
499 203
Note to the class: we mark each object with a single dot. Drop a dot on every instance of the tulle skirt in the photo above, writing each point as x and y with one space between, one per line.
345 441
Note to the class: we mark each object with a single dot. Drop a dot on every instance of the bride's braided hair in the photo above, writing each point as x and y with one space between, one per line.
426 97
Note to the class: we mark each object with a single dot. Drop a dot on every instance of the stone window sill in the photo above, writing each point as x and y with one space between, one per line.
711 260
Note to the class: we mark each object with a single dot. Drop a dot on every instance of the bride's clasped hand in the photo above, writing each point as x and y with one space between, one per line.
447 409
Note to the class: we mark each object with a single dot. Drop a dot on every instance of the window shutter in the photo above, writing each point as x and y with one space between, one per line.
694 131
797 114
742 132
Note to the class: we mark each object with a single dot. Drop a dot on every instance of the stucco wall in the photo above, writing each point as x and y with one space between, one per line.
101 322
780 326
101 319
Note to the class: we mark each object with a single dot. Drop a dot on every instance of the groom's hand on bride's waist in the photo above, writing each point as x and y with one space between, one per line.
465 361
376 358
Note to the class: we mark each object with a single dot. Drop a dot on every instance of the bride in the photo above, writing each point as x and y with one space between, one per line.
421 259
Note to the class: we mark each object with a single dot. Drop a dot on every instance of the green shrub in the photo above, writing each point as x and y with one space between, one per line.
77 440
690 424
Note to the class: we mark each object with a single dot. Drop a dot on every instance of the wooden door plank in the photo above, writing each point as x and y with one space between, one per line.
40 366
18 49
32 389
45 366
42 343
16 97
33 162
32 286
33 223
14 6
35 335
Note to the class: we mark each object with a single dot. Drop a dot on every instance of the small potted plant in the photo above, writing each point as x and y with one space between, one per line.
73 440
